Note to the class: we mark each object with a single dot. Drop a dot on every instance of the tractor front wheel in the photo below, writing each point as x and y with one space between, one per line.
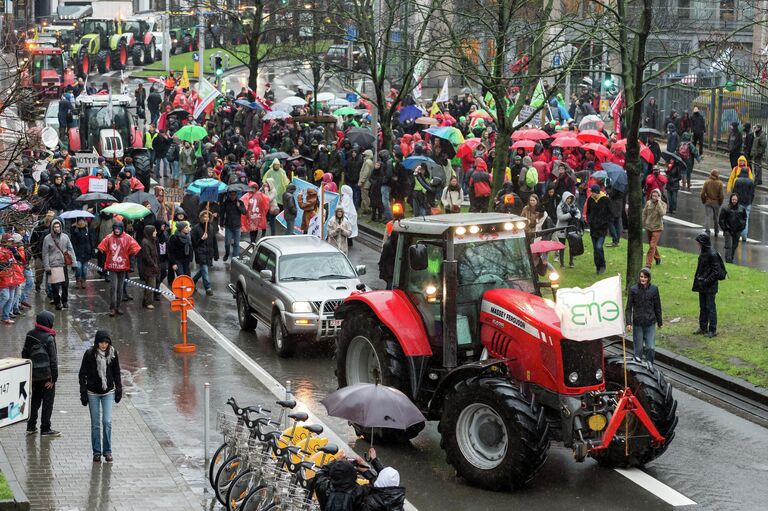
493 435
137 54
655 395
149 55
368 352
103 61
120 56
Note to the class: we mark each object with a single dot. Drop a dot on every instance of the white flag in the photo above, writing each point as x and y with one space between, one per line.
444 96
591 313
207 93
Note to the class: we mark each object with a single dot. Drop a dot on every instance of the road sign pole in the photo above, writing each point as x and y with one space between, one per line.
201 46
206 421
167 43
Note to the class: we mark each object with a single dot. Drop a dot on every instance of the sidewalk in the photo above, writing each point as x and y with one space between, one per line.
58 473
721 162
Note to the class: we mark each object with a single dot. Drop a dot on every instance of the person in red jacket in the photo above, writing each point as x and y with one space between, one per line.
254 221
654 181
7 273
118 249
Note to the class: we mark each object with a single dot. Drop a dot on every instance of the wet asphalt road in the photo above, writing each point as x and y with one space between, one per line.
716 459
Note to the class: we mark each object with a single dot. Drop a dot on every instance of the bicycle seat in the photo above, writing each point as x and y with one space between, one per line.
290 403
299 416
314 428
331 449
272 436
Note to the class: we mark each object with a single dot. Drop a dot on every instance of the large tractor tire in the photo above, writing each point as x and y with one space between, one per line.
83 62
493 435
368 352
187 44
104 61
655 395
149 54
120 56
138 55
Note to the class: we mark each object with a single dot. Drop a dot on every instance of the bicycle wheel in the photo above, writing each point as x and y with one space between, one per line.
223 453
241 486
227 473
257 499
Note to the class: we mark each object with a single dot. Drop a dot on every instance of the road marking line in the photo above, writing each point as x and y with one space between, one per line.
684 223
661 490
108 73
266 379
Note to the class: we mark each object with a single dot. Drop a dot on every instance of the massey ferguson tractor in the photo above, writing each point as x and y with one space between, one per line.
105 125
466 334
45 71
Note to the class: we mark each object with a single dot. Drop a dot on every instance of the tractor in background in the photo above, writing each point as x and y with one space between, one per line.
466 334
103 42
45 71
144 48
104 124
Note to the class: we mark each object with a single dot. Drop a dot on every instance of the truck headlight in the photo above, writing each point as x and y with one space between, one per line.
573 377
302 307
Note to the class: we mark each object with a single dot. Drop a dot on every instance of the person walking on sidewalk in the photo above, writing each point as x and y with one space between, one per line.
758 152
58 256
232 211
712 197
735 143
206 249
40 348
100 388
744 187
118 249
82 242
733 218
149 267
643 315
653 223
598 212
709 271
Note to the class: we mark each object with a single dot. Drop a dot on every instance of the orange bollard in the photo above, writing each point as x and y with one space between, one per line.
183 288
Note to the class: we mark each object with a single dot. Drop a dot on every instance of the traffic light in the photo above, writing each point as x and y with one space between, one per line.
608 81
218 67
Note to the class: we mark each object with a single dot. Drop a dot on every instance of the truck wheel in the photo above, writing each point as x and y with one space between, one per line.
247 322
368 352
149 55
120 56
492 434
283 342
655 395
103 61
138 55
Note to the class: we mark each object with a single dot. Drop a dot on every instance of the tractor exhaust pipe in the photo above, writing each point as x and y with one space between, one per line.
450 279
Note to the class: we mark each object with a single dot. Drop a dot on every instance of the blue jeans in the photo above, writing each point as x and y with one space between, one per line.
644 338
271 220
707 312
162 164
81 269
357 197
672 198
100 406
29 284
385 191
6 302
597 243
175 169
203 272
615 229
232 235
746 228
154 117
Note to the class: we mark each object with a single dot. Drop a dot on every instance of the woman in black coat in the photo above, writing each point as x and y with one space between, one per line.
206 249
83 244
180 251
100 388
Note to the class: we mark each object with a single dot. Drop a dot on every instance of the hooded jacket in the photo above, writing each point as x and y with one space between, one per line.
705 279
118 250
350 213
150 260
82 243
744 187
336 487
736 172
733 219
54 246
364 181
598 213
712 192
759 145
653 213
277 173
231 212
45 364
256 209
89 378
568 215
289 204
206 250
389 498
643 304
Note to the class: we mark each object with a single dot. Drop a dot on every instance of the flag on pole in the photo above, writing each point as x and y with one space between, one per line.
207 93
538 95
444 96
434 110
184 81
616 108
489 101
593 312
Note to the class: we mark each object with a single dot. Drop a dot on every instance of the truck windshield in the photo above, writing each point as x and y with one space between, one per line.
323 266
133 27
490 264
94 26
40 62
98 118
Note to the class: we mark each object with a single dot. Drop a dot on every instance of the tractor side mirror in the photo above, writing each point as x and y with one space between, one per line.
417 257
266 275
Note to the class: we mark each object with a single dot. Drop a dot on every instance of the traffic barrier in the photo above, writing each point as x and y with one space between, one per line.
183 288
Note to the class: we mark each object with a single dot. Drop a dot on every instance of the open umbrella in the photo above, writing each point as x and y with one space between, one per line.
345 110
565 134
599 150
467 148
480 114
617 175
373 406
447 133
96 196
15 203
141 197
590 122
75 213
191 133
300 157
530 134
294 101
253 105
279 155
360 136
566 142
238 187
412 162
672 156
599 174
199 185
339 102
595 136
325 96
543 246
645 151
528 145
282 107
410 113
427 121
276 114
649 131
128 210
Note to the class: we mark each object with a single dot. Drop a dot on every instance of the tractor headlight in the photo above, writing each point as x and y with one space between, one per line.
508 226
554 276
474 229
431 292
573 377
520 225
599 374
302 307
461 231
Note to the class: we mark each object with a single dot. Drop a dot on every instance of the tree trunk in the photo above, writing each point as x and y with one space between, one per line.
501 160
253 63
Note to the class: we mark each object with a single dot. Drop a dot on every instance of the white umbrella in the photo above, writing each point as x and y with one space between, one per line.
282 107
294 101
338 102
325 96
276 114
590 122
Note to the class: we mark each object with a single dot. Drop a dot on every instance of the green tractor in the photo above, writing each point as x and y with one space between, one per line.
104 42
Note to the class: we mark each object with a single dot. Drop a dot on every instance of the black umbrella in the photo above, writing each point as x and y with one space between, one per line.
651 131
96 196
279 155
672 156
360 136
238 187
141 197
305 158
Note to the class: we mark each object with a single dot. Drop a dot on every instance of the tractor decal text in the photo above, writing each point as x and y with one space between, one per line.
510 318
605 311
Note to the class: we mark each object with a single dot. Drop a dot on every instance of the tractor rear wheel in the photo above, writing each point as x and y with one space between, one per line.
368 352
120 56
138 55
493 435
103 61
149 55
186 44
655 395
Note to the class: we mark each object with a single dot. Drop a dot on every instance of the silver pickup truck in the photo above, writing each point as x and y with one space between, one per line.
294 284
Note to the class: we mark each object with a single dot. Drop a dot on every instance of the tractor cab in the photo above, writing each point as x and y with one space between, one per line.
105 124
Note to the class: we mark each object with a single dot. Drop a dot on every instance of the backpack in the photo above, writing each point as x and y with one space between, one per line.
685 151
481 188
340 501
41 362
721 272
531 177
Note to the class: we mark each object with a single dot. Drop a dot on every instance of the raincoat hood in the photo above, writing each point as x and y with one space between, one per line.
704 240
275 164
742 160
647 273
327 177
291 188
54 222
45 319
254 185
387 477
480 164
118 228
565 197
149 230
368 154
101 335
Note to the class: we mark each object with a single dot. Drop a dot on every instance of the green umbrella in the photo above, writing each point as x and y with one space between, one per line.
345 110
448 133
191 133
128 210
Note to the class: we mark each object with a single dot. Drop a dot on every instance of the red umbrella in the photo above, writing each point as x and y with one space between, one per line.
543 246
530 134
645 151
565 134
480 114
528 145
592 136
566 142
598 149
468 147
155 80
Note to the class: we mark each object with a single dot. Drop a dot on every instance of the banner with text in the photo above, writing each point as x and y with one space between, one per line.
591 313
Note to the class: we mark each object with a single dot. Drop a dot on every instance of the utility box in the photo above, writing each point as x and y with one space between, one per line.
15 390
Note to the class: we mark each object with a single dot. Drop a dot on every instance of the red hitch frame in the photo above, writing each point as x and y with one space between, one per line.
628 403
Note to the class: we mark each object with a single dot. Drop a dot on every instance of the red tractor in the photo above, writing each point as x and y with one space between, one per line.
45 71
467 336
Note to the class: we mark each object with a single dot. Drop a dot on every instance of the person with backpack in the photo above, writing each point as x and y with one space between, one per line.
40 348
709 271
527 179
643 316
689 154
733 219
386 494
480 187
336 485
101 388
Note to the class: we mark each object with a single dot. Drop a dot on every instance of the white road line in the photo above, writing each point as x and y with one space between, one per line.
674 220
266 379
661 490
108 73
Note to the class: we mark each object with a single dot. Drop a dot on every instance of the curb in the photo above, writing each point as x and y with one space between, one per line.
685 364
20 501
724 175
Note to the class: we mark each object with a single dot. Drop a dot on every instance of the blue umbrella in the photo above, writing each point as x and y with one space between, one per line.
412 162
249 104
617 175
410 113
199 185
600 174
277 114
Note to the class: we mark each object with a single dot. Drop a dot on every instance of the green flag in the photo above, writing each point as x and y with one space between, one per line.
538 96
489 101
